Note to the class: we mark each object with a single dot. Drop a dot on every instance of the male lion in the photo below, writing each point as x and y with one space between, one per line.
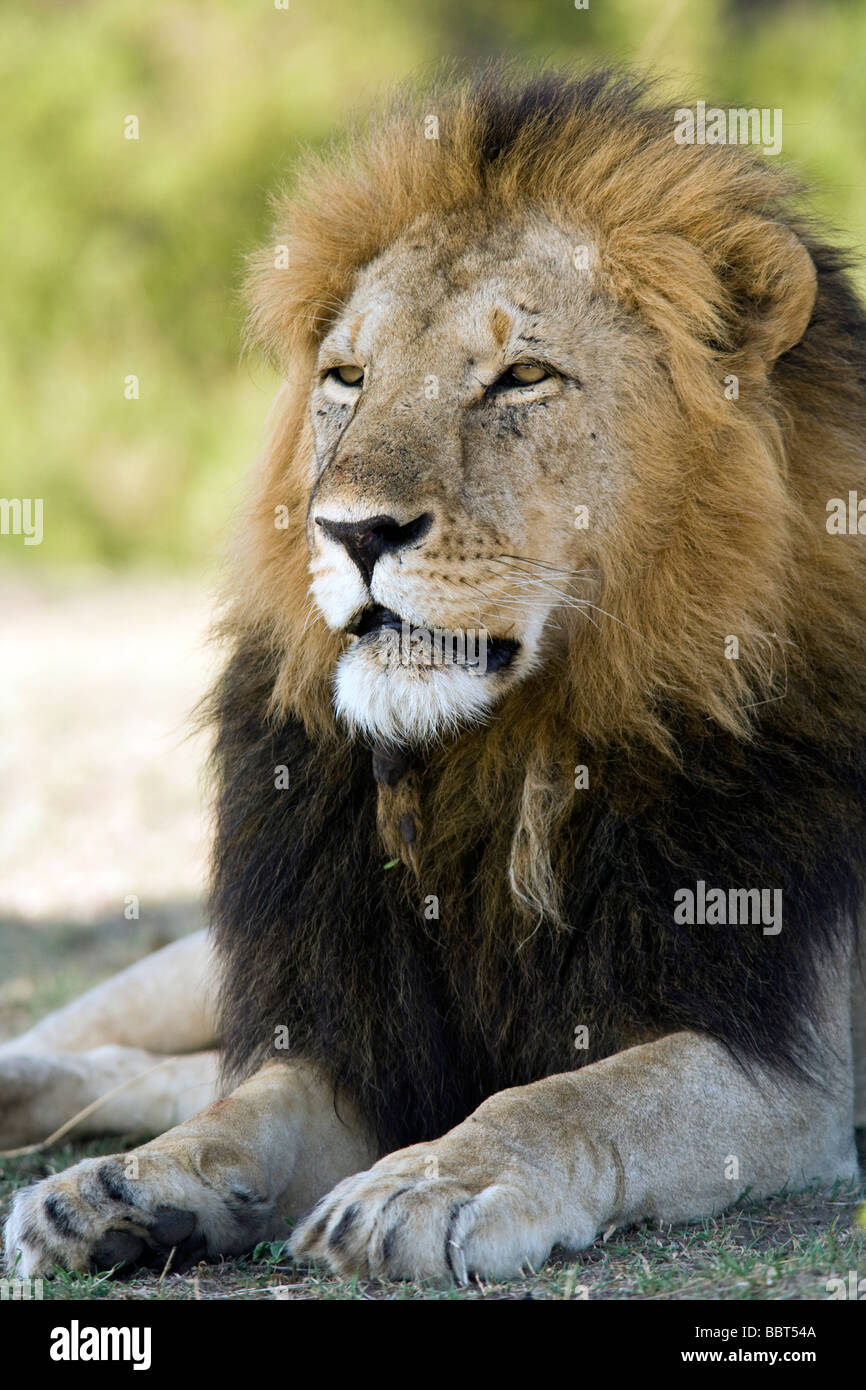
578 932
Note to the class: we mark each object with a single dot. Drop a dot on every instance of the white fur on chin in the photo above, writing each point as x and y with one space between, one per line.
409 704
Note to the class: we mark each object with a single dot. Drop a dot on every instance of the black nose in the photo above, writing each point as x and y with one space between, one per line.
374 536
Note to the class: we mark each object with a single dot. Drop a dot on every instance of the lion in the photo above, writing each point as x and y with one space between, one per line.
546 930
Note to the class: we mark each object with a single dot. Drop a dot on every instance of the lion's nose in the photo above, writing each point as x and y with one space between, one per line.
373 536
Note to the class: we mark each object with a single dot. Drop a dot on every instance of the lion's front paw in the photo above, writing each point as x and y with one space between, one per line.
418 1214
130 1209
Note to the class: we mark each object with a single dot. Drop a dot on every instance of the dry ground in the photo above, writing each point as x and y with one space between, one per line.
101 800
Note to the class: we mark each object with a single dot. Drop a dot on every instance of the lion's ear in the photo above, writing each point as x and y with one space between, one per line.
775 283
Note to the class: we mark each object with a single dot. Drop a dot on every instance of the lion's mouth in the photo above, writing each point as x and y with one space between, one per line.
473 648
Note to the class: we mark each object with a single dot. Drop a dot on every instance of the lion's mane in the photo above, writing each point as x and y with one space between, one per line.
555 907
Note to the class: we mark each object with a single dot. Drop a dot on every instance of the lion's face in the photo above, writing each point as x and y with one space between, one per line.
472 453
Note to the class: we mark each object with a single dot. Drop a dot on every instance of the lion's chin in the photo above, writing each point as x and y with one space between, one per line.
408 704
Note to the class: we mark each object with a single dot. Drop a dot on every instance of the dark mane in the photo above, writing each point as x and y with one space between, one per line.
421 1019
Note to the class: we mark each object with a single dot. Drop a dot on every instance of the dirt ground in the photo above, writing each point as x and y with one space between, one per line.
102 801
99 771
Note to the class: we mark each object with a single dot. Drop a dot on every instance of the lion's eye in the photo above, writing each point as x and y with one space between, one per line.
348 374
520 374
527 373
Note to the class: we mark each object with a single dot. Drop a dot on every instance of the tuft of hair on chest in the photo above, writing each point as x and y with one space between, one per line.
398 811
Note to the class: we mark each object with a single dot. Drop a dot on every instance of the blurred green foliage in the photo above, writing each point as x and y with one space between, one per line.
123 257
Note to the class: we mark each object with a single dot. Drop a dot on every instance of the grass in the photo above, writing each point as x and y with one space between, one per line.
785 1249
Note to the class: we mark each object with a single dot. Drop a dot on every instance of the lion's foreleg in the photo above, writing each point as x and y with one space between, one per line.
214 1185
670 1130
673 1130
